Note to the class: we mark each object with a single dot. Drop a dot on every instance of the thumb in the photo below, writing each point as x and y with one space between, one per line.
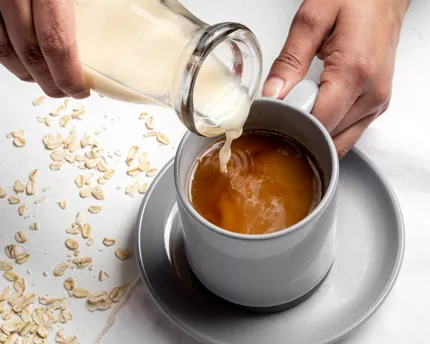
309 28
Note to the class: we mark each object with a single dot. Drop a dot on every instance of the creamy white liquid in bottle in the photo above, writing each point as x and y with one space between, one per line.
138 43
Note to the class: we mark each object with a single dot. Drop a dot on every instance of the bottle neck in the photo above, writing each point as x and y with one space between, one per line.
220 62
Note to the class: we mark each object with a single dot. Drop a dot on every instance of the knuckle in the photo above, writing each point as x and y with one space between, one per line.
56 44
6 51
364 68
32 56
290 59
307 19
381 96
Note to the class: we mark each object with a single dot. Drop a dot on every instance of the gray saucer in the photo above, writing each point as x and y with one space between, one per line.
369 255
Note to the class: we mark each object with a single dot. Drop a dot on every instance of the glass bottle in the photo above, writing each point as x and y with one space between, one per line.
157 52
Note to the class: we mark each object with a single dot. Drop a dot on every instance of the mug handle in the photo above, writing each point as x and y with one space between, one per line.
303 95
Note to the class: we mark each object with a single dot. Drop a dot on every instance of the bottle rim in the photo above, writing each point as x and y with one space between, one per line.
209 39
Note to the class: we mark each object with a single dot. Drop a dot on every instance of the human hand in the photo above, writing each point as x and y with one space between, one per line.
38 43
357 40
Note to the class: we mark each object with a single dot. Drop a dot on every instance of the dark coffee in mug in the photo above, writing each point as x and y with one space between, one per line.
272 182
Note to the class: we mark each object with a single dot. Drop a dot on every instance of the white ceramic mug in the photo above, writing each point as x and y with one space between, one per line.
273 270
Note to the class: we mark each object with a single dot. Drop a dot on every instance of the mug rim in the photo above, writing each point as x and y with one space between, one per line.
322 205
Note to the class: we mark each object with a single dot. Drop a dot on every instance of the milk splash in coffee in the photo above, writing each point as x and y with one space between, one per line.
133 48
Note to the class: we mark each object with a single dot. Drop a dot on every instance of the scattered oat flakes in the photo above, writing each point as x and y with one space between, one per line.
5 293
22 258
78 114
142 188
34 174
144 166
35 226
80 158
71 141
80 293
57 111
80 181
117 293
122 253
11 276
20 285
98 193
57 155
38 101
86 231
150 123
132 189
70 158
31 188
100 305
60 269
90 241
6 265
163 139
101 181
101 275
143 115
109 174
101 166
133 172
107 241
11 251
85 192
150 134
69 284
117 152
65 316
65 121
22 209
151 172
132 153
94 209
56 165
19 141
72 244
91 163
16 133
62 204
3 192
43 331
18 187
44 274
21 237
51 142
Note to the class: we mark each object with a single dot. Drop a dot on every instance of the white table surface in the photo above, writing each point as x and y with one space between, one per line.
399 143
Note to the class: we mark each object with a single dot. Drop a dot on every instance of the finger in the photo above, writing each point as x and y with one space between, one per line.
357 112
9 58
55 30
375 102
349 137
17 15
308 30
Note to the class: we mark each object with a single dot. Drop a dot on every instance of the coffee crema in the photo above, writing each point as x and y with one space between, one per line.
271 183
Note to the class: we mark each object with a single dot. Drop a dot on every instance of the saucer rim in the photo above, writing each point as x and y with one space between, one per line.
187 329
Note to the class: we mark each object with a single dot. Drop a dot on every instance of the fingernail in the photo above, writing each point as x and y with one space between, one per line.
273 87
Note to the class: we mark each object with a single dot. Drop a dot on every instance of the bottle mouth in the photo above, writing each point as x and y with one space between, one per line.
225 56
